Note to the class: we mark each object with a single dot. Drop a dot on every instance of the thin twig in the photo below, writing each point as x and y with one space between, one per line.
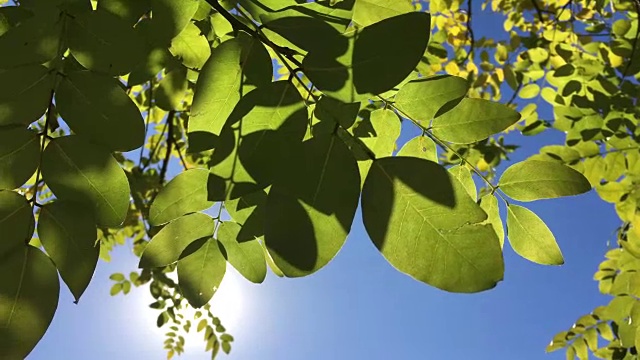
470 35
167 157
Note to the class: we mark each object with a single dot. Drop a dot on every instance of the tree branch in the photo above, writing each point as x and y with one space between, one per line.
470 35
167 156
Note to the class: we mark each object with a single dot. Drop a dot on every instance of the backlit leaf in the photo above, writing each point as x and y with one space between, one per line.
171 89
367 12
68 233
473 120
424 98
489 203
78 171
168 244
421 147
103 42
186 193
463 175
535 179
311 206
191 47
234 67
96 106
29 290
424 223
25 94
246 256
171 17
200 273
35 41
530 237
19 155
130 11
16 221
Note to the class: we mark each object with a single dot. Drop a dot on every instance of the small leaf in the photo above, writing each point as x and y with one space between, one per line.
529 91
68 233
171 89
78 171
186 193
226 347
117 277
16 221
424 98
29 291
489 203
531 238
115 289
420 147
19 156
310 208
25 94
424 223
535 179
245 256
201 272
95 106
169 243
473 120
103 42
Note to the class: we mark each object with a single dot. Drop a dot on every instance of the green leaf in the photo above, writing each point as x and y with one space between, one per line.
367 12
103 42
191 47
168 244
117 277
420 147
129 11
35 41
424 223
186 193
19 155
529 91
226 347
156 57
379 134
423 99
16 221
333 111
248 211
535 179
530 237
489 203
29 290
246 256
172 89
78 171
311 206
356 72
473 120
68 234
96 106
233 69
463 175
200 273
256 139
25 94
115 289
12 16
171 17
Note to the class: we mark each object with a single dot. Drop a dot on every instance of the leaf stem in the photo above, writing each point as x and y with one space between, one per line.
167 156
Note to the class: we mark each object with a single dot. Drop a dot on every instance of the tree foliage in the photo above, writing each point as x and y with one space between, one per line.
284 117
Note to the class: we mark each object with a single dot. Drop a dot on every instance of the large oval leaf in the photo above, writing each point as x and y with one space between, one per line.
68 233
191 47
95 106
424 98
232 70
16 221
536 179
362 69
200 273
170 17
34 41
76 170
130 11
246 256
25 94
367 12
168 244
530 237
186 193
473 120
19 154
29 290
103 42
424 223
311 206
248 211
259 134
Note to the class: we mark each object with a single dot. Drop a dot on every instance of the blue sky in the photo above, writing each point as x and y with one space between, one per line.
359 307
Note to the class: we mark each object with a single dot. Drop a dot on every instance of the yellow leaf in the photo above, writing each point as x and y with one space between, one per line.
452 68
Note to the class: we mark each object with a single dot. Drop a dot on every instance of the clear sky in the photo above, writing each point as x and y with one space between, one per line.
359 307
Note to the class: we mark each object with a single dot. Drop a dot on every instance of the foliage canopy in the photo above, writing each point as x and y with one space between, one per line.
285 115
